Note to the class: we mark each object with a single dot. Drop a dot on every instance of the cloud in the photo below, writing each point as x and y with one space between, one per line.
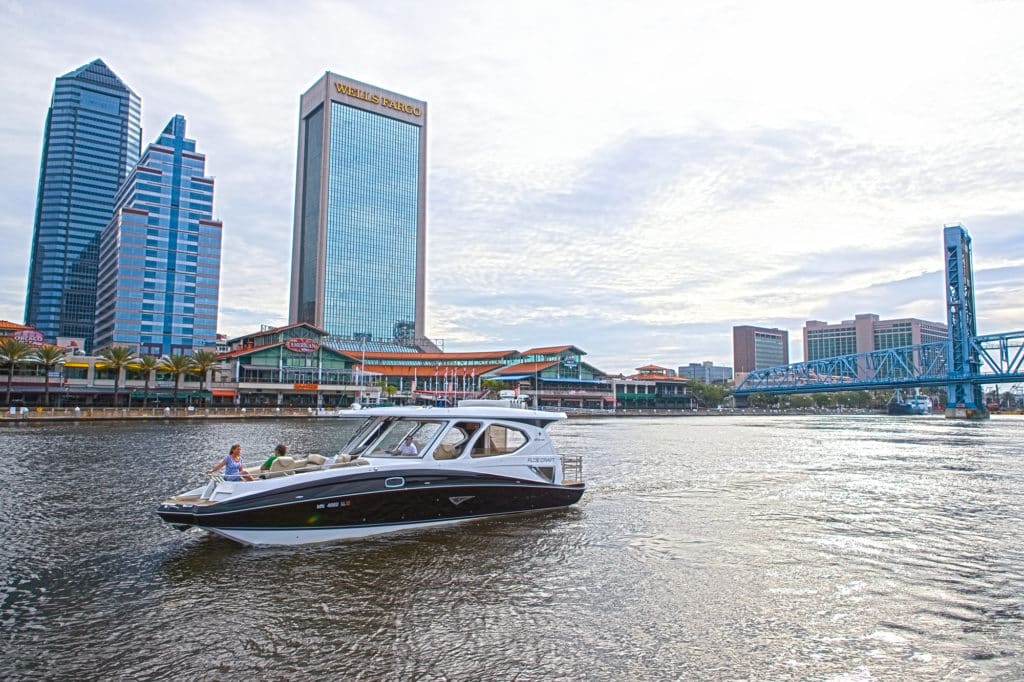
631 183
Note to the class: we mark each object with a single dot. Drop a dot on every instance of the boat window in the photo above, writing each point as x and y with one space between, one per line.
498 440
545 472
423 433
369 431
456 440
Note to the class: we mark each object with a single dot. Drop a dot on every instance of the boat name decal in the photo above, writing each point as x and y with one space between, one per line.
460 499
335 504
537 460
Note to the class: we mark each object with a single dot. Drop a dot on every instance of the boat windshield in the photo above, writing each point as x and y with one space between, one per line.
383 436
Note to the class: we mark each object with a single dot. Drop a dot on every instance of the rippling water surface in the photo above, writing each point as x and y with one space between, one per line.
834 548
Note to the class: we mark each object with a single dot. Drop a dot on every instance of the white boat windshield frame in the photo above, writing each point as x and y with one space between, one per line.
382 436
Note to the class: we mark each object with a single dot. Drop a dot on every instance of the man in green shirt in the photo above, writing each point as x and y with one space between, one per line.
279 451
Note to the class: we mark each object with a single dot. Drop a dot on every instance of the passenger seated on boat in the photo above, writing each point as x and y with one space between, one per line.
280 451
469 430
405 449
282 464
234 468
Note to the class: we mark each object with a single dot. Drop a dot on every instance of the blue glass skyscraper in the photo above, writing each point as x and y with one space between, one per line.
159 271
358 251
92 140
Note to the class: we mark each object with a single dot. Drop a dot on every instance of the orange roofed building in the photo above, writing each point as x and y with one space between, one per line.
298 365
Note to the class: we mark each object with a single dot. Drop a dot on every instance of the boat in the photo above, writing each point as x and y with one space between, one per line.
913 405
483 458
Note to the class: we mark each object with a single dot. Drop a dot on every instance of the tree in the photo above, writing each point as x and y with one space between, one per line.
202 362
492 385
146 364
800 401
707 395
176 365
761 399
117 358
49 356
14 352
823 400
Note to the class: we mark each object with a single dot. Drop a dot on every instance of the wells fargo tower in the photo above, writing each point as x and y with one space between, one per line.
358 250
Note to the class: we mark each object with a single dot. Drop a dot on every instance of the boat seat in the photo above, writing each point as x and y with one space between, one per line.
285 466
347 463
445 451
284 463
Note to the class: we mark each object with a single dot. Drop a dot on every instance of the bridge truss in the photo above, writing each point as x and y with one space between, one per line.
962 363
1000 360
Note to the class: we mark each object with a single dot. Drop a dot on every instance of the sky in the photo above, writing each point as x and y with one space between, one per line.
632 178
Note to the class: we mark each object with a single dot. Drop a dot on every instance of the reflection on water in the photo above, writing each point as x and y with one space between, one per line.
705 547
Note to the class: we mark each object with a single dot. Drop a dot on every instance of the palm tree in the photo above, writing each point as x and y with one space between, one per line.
177 365
202 362
117 358
146 364
13 352
49 356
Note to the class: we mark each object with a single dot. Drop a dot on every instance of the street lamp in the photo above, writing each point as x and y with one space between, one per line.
63 383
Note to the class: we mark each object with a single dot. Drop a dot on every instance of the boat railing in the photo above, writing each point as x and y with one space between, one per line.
572 469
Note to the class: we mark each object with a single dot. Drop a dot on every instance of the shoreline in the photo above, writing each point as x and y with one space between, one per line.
60 415
63 415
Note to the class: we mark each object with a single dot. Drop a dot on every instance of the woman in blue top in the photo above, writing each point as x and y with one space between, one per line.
234 469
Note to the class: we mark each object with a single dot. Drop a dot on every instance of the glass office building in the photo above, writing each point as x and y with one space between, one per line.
358 251
159 271
867 333
92 139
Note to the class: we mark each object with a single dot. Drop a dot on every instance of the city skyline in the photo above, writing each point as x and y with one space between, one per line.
632 183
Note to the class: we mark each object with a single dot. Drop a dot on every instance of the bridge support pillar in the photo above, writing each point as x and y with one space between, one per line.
961 412
964 399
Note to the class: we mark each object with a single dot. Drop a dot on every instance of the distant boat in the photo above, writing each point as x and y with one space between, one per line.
916 404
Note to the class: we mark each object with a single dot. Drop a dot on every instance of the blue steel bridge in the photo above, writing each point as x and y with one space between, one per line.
961 364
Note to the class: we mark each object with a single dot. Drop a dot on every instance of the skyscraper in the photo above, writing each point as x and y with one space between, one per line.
159 271
358 251
92 140
758 348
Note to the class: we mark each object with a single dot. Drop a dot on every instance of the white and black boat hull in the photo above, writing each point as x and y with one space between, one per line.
366 504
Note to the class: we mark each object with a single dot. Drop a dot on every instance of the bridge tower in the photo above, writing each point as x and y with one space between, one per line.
964 399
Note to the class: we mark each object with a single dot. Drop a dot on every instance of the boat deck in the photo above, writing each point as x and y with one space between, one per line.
196 500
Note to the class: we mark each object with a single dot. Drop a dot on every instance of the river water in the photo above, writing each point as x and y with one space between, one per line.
782 548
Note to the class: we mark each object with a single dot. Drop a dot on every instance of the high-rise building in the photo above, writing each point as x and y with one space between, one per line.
92 140
359 244
758 348
159 272
706 371
867 333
